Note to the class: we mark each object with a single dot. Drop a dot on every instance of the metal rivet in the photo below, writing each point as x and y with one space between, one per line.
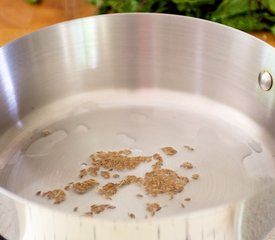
265 80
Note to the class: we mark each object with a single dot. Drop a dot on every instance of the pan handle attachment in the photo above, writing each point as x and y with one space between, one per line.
265 80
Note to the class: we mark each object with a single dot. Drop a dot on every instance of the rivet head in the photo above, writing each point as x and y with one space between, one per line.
265 80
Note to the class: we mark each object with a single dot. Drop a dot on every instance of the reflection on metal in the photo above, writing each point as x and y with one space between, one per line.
92 55
6 83
265 80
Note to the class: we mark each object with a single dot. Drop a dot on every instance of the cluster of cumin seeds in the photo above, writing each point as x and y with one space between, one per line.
156 181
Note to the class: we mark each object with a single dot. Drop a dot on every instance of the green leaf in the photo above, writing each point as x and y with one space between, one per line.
194 2
247 15
269 4
195 8
229 8
124 5
193 5
246 23
153 6
268 17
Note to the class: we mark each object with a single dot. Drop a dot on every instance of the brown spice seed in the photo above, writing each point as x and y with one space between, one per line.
75 209
105 174
82 187
125 152
116 175
119 160
38 193
182 205
195 176
157 156
159 162
109 189
46 132
139 195
96 209
164 181
82 173
58 195
187 165
189 148
187 199
169 150
93 171
153 208
68 186
131 215
128 180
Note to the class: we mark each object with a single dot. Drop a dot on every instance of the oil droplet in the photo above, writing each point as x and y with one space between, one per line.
125 139
43 145
255 146
83 165
243 151
81 128
140 117
80 110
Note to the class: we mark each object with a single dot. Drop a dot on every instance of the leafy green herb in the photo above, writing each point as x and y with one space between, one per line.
247 15
269 5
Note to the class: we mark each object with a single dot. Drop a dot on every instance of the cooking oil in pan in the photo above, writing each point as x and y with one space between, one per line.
229 154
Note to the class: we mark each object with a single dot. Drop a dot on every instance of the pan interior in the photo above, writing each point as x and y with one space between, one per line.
230 152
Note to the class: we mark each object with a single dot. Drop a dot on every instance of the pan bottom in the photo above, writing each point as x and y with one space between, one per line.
231 155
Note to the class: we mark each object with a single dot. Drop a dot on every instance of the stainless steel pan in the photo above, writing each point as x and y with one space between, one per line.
138 81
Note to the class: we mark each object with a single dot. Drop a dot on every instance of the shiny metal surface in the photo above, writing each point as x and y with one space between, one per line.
265 80
160 60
